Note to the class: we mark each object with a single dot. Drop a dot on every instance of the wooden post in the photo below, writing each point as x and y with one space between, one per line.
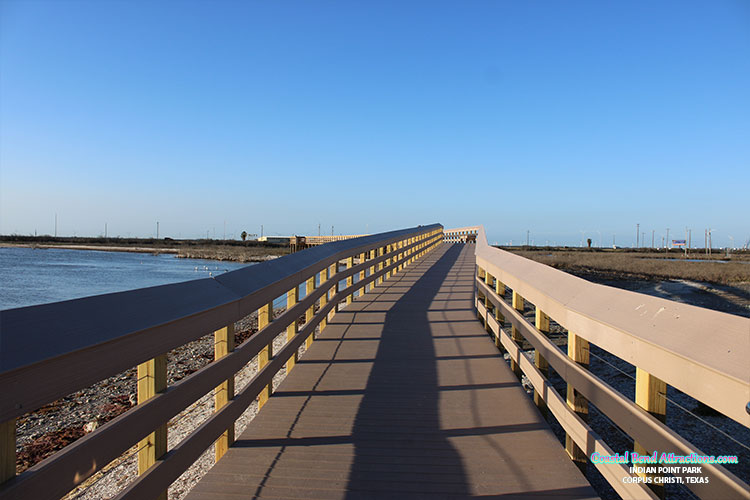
381 252
500 292
152 379
487 303
518 305
349 280
578 351
309 289
7 450
372 268
323 298
265 316
333 269
388 273
651 395
362 273
542 324
292 297
223 345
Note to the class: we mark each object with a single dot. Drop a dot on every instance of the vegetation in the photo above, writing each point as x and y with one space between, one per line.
644 264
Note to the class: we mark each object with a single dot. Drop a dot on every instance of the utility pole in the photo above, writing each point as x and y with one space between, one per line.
261 230
157 230
527 237
653 233
613 241
667 236
105 229
318 229
690 238
637 235
55 224
710 243
225 230
331 229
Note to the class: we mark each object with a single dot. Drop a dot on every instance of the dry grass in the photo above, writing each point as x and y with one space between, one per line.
645 265
233 253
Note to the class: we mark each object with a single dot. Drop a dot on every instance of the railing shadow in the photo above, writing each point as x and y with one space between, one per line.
403 386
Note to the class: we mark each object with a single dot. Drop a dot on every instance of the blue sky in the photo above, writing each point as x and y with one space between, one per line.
552 117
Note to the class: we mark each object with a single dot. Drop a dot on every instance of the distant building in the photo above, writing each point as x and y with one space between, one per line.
275 240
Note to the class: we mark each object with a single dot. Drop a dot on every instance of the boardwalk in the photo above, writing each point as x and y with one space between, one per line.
403 395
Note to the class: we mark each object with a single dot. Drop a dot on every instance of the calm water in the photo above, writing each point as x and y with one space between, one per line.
36 276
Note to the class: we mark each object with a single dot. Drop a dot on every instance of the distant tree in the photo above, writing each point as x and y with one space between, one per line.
243 235
589 242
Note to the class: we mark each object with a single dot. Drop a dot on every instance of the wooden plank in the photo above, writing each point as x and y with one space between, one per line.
578 351
223 345
292 297
541 322
152 379
519 305
651 395
324 297
7 450
309 289
350 279
265 316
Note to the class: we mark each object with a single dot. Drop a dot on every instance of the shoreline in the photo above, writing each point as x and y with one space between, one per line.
221 253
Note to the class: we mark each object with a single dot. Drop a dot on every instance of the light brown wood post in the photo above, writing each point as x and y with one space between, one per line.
518 305
381 252
651 395
542 324
323 298
7 450
292 297
223 345
309 289
487 303
578 351
500 292
265 316
389 249
349 280
362 273
333 269
152 379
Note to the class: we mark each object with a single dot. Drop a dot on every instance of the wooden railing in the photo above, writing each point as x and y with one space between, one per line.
702 353
460 235
52 350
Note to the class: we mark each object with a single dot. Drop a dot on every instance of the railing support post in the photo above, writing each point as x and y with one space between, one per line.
362 273
7 450
333 269
223 345
152 379
500 291
265 316
487 302
651 395
349 280
372 268
518 305
292 297
388 273
541 322
578 351
381 252
309 289
323 298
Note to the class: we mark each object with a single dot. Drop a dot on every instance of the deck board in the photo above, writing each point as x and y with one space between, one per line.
403 395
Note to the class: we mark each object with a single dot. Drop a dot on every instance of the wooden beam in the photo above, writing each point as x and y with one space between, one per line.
309 289
381 252
292 297
373 254
223 345
651 395
323 298
578 351
541 322
7 450
152 379
349 280
265 316
332 270
362 273
518 304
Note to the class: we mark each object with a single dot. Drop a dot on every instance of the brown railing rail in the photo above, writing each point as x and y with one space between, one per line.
702 353
52 350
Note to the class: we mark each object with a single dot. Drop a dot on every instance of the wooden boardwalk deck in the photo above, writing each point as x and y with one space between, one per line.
403 395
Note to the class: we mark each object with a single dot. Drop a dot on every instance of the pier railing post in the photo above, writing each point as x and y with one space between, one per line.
651 395
372 268
541 322
578 351
333 269
349 279
223 345
362 273
381 252
487 302
265 316
7 450
152 379
323 298
518 305
309 289
500 291
388 262
292 297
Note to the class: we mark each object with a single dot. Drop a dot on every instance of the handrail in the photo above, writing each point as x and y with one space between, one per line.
151 321
665 340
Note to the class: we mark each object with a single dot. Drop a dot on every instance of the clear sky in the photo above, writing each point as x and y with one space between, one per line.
552 117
